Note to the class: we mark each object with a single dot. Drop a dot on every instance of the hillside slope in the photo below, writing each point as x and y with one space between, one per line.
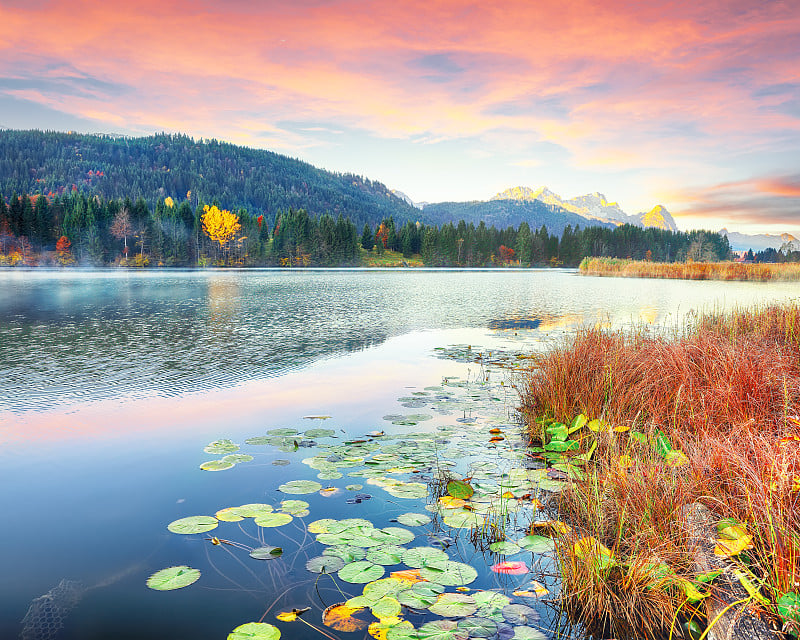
178 166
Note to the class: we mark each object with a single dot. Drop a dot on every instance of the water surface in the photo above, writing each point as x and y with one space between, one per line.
112 383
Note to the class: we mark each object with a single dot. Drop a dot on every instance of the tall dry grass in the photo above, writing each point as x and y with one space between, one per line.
726 390
761 272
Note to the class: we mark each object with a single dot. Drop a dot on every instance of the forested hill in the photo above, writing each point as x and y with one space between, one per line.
158 166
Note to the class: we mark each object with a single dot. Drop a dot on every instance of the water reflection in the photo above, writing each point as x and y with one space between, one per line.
71 337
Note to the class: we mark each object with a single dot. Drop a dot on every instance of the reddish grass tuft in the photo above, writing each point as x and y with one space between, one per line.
727 392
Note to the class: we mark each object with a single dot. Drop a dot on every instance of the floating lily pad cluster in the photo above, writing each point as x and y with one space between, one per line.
360 553
463 475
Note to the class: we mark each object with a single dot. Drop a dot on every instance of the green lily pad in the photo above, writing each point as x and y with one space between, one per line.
386 555
259 440
361 572
413 519
454 605
295 507
438 630
282 432
252 510
520 614
325 564
386 607
255 631
193 524
536 544
221 447
409 490
273 519
319 433
346 552
300 486
217 465
236 458
266 553
490 603
173 578
460 489
449 573
418 557
505 548
378 589
528 633
421 595
477 627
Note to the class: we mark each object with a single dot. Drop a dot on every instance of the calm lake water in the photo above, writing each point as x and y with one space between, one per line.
113 383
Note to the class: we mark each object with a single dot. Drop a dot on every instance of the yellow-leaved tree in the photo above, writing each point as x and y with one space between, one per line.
220 225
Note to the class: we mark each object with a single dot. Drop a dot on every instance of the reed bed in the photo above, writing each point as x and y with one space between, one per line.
760 272
725 391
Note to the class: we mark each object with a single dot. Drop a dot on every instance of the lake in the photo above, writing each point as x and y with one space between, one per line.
116 386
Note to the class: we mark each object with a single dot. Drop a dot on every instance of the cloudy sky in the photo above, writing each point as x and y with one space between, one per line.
692 104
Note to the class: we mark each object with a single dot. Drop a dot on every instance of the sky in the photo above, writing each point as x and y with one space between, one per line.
693 105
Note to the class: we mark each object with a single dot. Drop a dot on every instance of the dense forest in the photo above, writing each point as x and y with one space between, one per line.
179 167
75 228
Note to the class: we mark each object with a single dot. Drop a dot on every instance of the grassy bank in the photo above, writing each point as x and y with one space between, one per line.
706 415
690 270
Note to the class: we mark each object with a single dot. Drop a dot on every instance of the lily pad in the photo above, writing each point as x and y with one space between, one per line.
449 573
413 519
478 627
386 607
505 548
221 447
387 555
520 614
300 486
173 578
439 630
319 433
421 595
273 519
193 524
255 631
536 544
217 465
266 553
454 605
528 633
460 489
361 572
324 564
236 458
282 432
295 507
419 557
346 552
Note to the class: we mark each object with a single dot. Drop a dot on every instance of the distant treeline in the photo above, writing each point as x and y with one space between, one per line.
75 228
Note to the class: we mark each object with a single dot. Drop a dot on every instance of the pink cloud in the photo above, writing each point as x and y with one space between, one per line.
618 84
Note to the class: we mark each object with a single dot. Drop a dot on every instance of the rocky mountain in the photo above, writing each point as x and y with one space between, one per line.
757 242
593 206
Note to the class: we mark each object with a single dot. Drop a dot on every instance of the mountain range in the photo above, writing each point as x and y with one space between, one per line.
154 167
593 206
758 242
